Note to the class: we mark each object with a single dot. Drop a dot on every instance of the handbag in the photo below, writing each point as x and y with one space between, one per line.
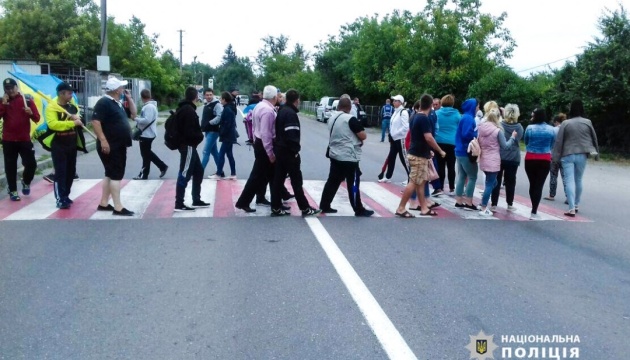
331 130
433 174
137 132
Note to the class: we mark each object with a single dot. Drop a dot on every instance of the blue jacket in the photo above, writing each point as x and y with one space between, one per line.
447 122
386 111
466 129
539 138
227 129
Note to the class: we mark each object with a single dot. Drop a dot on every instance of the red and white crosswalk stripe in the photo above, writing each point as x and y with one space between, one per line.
155 199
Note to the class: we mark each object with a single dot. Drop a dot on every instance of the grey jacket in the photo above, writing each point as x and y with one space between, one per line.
576 136
513 152
148 114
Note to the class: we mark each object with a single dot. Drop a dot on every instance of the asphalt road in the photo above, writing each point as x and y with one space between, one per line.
268 288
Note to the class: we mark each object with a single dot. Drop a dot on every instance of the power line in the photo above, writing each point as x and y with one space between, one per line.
549 63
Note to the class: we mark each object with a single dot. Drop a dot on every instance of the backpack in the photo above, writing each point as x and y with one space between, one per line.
249 122
172 139
474 150
205 123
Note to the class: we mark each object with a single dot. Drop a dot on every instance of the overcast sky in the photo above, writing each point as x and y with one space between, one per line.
545 31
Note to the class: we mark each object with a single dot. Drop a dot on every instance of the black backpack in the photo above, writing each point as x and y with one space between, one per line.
205 123
172 138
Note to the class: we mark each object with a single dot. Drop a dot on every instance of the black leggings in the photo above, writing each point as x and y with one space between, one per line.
396 147
447 162
537 171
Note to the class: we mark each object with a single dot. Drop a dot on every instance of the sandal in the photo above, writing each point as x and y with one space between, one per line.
405 215
434 205
417 208
429 213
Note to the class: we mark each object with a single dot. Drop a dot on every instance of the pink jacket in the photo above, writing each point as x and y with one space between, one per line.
491 140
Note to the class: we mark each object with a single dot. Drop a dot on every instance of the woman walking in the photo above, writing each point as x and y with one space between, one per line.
576 141
539 139
447 121
227 137
510 158
491 141
466 167
555 165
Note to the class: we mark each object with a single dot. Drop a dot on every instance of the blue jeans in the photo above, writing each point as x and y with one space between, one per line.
573 167
384 128
226 149
210 148
491 182
466 170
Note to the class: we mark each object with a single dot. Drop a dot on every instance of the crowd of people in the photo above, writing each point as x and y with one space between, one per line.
435 143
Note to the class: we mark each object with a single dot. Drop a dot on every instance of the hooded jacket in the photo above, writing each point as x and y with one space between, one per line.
466 129
188 124
399 125
447 121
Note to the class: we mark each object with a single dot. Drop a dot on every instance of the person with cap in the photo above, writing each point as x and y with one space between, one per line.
147 122
17 112
399 126
64 138
113 133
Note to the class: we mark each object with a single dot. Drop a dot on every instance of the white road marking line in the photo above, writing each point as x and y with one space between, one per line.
135 196
340 202
208 191
47 205
392 342
381 195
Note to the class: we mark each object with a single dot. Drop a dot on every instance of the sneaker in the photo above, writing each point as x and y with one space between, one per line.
14 196
380 176
50 178
485 213
460 206
404 183
123 212
163 172
231 177
384 180
109 207
263 202
511 208
471 207
285 208
216 177
549 198
63 205
26 189
279 212
437 192
245 208
364 213
76 177
310 211
329 211
535 217
182 207
139 178
451 192
493 208
200 204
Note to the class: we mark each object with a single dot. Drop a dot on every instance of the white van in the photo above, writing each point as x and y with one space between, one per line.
324 108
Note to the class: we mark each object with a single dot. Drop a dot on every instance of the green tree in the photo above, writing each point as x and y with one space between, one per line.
235 72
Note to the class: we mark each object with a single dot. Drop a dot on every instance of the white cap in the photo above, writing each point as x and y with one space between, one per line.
399 98
113 84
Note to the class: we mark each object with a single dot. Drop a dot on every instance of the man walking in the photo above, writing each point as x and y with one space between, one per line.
386 114
346 138
397 132
63 139
113 133
263 123
420 154
17 113
147 122
210 119
190 136
287 150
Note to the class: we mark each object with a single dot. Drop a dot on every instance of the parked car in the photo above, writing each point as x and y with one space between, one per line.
244 100
324 108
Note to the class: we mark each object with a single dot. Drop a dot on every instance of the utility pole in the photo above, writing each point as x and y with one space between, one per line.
103 27
181 36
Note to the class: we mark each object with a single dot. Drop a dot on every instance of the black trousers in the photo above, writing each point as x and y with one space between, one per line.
537 171
148 157
396 148
447 163
508 171
64 158
11 151
261 175
189 167
343 171
288 164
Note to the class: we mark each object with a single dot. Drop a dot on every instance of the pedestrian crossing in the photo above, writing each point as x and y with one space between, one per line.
155 199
